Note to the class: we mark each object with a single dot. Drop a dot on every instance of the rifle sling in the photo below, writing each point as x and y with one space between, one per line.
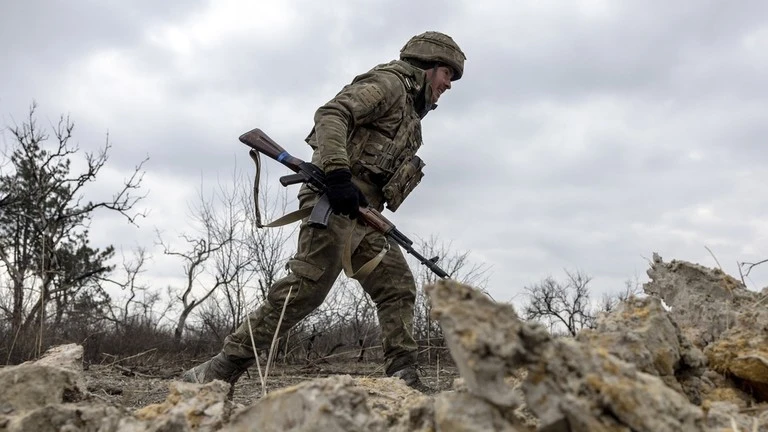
286 219
346 259
291 217
365 270
257 160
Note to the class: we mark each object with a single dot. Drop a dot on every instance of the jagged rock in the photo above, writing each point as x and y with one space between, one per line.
399 407
49 395
641 332
570 385
515 375
720 315
704 302
203 407
69 356
328 404
41 395
479 340
30 386
54 378
742 351
68 417
522 417
721 389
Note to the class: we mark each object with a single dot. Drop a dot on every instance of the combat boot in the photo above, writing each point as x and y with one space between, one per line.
220 367
412 380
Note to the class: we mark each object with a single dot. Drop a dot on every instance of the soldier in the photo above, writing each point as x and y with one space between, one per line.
365 140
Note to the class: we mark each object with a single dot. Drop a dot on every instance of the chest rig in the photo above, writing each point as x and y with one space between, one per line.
384 152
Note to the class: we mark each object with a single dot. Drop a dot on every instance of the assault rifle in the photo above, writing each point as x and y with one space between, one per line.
306 172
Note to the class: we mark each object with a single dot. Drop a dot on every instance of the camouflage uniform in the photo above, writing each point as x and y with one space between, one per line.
373 128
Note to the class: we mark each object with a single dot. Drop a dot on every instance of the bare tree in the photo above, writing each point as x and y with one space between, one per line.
632 288
459 266
264 251
746 267
261 252
213 235
44 227
135 298
231 251
561 304
269 247
346 321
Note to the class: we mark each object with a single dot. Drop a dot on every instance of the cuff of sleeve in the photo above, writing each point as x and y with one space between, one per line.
330 166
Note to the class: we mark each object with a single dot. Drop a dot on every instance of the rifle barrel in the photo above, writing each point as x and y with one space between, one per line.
421 258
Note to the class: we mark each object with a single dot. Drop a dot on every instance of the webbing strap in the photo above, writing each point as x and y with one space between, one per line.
366 269
286 219
256 160
291 217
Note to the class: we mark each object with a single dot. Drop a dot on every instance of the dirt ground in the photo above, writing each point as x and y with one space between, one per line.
139 386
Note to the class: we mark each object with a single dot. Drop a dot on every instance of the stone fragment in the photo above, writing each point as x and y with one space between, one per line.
640 331
328 404
203 407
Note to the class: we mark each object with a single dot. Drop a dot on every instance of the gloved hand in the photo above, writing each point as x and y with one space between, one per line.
345 198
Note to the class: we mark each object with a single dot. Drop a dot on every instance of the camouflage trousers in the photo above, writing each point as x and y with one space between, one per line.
312 272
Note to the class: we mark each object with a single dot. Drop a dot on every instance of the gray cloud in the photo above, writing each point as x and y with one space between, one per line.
585 135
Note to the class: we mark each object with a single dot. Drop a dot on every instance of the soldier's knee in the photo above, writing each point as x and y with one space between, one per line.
304 286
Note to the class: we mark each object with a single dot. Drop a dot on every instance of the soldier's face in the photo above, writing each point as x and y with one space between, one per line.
440 80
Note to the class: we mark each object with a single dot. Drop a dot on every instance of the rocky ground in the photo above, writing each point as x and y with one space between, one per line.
701 366
135 387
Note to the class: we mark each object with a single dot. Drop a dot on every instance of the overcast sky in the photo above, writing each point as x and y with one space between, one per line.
584 135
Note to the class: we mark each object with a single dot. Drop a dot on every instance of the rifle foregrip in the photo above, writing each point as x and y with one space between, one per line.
290 179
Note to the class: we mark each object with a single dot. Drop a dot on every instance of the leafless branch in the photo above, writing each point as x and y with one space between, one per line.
750 266
566 304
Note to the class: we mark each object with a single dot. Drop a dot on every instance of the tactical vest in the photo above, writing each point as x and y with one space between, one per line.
386 156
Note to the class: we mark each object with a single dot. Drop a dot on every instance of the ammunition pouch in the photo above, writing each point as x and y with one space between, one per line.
403 182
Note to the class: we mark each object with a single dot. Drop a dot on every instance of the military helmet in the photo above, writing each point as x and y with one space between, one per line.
434 46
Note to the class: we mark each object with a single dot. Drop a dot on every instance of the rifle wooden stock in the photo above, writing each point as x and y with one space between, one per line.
259 141
375 219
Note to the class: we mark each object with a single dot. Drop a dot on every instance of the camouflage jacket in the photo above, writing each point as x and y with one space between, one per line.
373 127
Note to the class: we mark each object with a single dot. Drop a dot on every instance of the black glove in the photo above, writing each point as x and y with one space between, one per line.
344 196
